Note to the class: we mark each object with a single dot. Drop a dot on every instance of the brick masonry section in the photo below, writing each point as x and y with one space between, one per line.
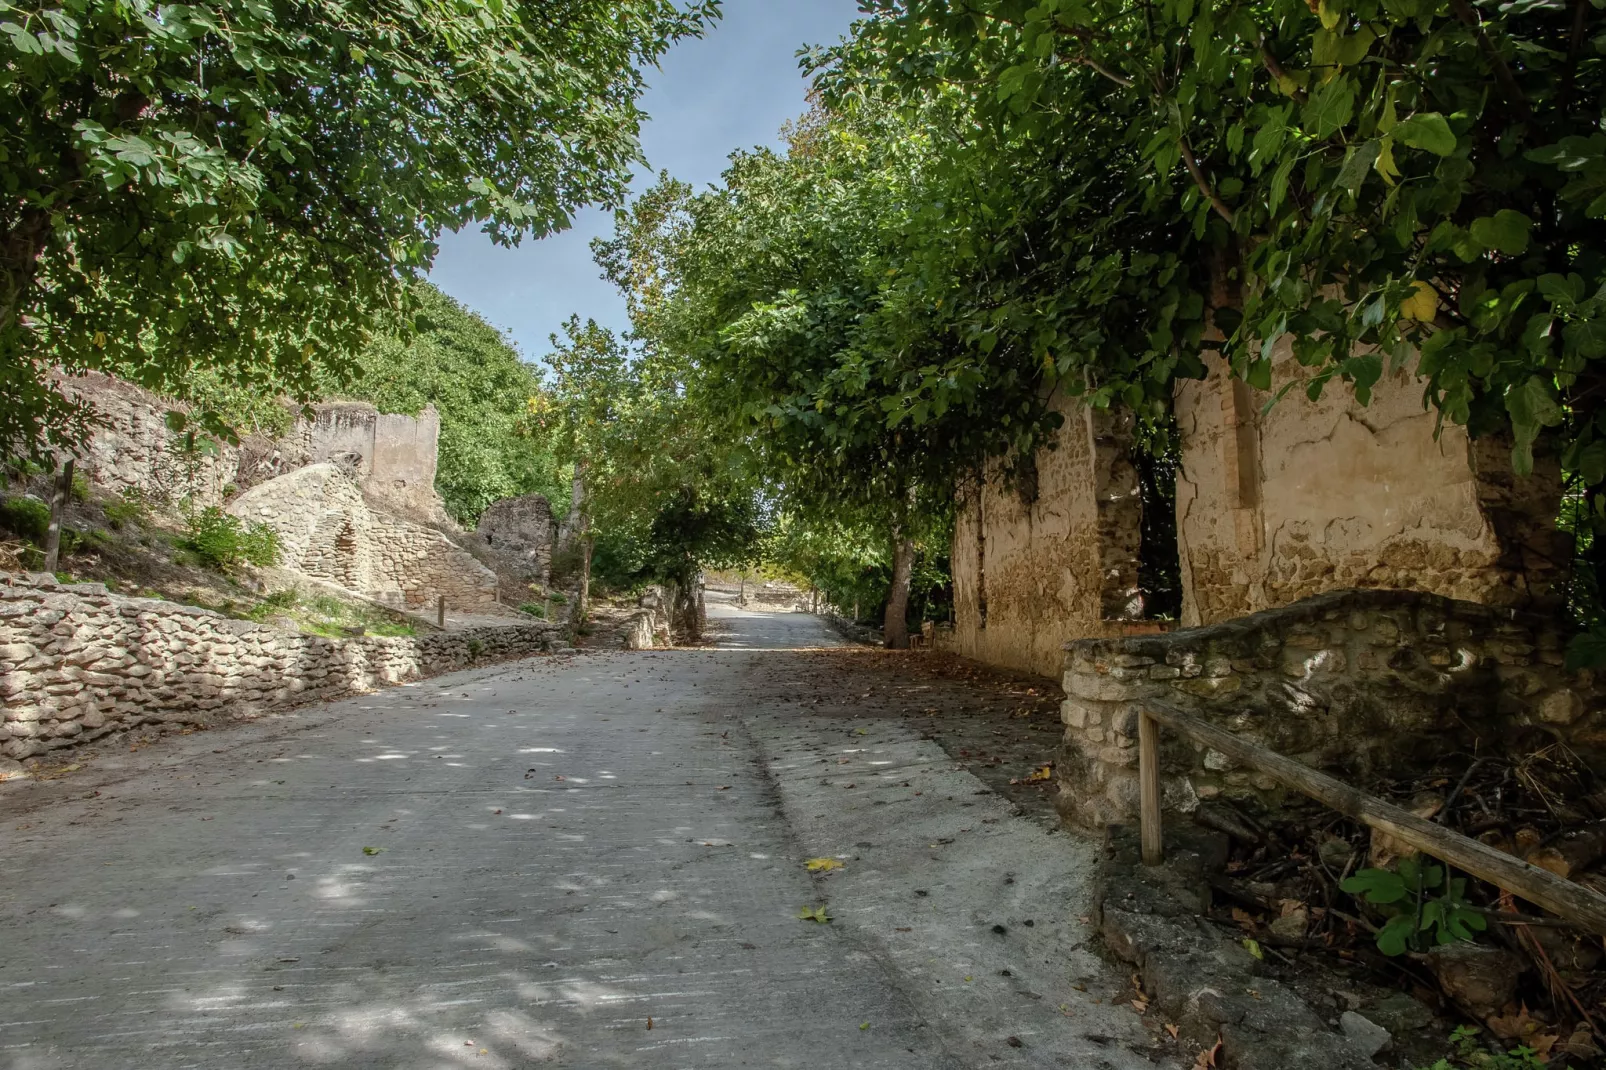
78 663
1360 684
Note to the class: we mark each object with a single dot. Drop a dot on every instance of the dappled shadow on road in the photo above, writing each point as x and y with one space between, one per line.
1002 727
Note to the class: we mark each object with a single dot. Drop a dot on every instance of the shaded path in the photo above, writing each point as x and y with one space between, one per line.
521 866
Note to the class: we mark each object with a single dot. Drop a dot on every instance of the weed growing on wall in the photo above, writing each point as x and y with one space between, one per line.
223 542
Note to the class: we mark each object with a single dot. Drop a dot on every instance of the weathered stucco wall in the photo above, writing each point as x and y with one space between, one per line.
77 663
1329 495
1051 558
1358 683
328 531
393 457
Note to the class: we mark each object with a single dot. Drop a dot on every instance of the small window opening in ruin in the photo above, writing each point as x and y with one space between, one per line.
1156 457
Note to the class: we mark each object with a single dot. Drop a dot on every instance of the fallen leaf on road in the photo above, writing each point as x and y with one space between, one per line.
559 778
1253 947
815 914
1207 1058
649 1021
1172 1030
376 850
822 865
1141 1006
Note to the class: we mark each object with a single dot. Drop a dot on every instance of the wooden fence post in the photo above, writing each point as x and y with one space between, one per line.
440 611
59 494
1149 829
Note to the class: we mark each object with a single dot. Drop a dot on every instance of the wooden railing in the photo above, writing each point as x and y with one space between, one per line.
1562 897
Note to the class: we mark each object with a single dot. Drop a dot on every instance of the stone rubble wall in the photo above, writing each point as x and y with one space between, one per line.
328 531
392 456
523 528
648 626
134 449
1357 683
78 663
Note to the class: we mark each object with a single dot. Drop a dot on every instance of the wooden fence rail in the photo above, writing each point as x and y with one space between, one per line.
1556 894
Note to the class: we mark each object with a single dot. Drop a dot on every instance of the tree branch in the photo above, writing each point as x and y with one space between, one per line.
1502 73
1100 68
1275 69
1203 183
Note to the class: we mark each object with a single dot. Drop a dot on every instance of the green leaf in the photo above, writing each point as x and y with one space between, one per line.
1394 938
1587 650
1505 231
1330 108
1376 886
1426 130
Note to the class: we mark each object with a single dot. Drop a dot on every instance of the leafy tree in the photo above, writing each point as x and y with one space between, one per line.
780 290
1379 183
654 473
246 187
490 447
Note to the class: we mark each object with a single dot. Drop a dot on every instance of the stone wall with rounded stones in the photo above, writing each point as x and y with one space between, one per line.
1357 683
77 662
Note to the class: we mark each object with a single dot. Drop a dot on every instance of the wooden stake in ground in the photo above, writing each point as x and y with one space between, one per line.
440 611
58 505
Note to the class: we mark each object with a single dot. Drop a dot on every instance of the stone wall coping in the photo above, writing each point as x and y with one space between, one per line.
1310 610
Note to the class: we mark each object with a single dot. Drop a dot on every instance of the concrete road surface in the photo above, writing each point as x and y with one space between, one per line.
592 862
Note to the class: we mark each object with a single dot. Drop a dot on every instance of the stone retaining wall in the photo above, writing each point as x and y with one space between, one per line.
77 663
1358 683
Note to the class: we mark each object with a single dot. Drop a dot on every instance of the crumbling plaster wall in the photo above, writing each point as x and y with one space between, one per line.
1358 683
393 457
77 663
328 531
1331 494
1054 556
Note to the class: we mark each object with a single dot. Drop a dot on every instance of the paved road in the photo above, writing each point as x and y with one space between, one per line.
585 862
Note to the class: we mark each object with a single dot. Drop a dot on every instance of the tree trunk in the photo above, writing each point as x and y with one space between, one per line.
575 536
895 629
582 588
59 496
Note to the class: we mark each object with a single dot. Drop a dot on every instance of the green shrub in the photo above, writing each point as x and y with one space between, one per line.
27 517
80 488
534 609
474 648
223 542
129 507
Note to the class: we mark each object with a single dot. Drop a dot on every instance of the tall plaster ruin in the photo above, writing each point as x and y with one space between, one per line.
1272 507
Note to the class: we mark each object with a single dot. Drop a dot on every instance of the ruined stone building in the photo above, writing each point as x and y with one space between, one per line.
1271 507
349 490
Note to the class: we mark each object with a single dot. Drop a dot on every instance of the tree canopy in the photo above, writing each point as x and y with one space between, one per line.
246 187
490 447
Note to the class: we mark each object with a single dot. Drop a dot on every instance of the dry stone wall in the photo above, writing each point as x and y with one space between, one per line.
77 663
134 450
1357 683
328 531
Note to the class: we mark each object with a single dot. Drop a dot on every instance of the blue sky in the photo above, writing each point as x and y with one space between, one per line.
730 90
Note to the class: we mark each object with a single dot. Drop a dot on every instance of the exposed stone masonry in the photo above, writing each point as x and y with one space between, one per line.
329 532
1358 683
77 663
522 527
